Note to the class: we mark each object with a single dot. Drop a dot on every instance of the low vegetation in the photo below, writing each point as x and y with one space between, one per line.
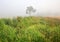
29 29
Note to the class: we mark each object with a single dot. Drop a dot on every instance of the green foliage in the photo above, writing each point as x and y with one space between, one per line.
30 29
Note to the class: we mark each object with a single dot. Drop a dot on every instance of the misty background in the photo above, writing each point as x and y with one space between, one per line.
10 8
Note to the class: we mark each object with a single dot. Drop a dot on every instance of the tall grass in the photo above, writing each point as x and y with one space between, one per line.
29 29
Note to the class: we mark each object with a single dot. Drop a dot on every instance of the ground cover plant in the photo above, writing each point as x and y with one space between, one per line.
29 29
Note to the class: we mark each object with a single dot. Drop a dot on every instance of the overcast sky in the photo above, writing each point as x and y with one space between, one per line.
18 7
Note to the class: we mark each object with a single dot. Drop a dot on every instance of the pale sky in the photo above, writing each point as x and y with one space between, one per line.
18 7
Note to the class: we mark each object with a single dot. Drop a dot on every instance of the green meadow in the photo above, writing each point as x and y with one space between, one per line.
29 29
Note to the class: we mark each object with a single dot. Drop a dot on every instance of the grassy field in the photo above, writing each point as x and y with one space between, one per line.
30 29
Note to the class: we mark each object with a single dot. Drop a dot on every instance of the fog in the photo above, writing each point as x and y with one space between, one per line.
10 8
